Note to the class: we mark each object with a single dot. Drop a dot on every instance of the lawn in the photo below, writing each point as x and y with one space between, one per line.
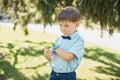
21 58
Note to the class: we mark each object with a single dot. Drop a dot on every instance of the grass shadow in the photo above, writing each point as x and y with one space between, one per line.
41 77
32 49
37 66
111 60
47 44
7 71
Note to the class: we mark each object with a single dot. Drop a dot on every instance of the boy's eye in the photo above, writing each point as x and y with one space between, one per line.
66 26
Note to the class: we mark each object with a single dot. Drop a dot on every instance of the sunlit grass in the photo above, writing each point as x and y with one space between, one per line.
8 35
99 63
23 58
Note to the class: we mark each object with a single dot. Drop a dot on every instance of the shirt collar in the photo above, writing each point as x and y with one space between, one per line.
74 34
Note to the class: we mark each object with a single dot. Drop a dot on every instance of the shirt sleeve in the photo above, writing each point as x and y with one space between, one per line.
77 48
55 45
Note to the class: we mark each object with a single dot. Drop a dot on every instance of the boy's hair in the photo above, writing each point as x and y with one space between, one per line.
69 13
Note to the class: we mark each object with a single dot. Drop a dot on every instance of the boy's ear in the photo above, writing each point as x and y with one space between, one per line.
77 24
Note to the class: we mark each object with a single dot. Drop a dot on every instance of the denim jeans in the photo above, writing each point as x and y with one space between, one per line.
63 76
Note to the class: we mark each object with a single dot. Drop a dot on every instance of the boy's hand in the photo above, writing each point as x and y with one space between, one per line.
48 53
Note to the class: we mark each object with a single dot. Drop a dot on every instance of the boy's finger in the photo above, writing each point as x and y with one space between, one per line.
46 50
46 47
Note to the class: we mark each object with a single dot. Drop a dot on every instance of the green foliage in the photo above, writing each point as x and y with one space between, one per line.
104 12
47 9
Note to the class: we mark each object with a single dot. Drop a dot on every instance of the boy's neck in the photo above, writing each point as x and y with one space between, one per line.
71 33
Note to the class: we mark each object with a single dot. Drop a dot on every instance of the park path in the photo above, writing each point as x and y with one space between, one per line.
89 35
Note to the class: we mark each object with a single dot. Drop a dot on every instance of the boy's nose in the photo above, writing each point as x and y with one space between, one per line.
62 29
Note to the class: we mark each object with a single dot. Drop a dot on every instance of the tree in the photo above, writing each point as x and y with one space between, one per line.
105 12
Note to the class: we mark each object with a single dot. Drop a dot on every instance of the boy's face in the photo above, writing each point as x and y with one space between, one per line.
67 27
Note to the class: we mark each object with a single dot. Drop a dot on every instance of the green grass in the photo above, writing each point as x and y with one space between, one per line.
21 58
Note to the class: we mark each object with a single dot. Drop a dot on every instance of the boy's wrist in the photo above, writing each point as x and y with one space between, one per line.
54 48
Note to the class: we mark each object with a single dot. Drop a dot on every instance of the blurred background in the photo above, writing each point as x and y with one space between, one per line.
27 26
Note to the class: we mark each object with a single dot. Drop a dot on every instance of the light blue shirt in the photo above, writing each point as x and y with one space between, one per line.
76 46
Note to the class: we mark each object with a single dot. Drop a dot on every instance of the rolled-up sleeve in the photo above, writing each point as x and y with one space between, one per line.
78 48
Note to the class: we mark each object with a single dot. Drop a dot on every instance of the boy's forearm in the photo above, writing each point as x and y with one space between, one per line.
65 55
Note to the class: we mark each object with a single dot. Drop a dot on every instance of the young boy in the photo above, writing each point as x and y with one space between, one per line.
66 54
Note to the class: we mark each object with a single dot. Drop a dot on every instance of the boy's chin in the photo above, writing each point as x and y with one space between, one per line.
65 34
